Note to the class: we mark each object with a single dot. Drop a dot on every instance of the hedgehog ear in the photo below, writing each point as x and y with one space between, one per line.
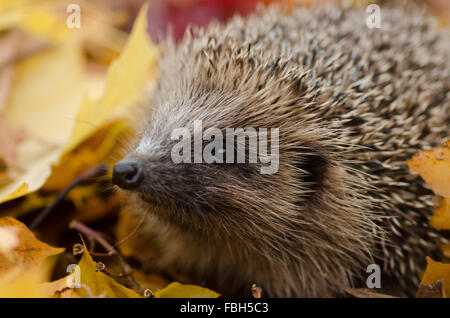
313 166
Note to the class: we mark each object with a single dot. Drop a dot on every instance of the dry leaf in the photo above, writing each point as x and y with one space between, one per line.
96 149
125 84
434 168
177 290
436 271
441 218
256 291
61 288
10 137
52 107
23 284
149 281
8 239
98 282
445 249
28 252
435 290
22 261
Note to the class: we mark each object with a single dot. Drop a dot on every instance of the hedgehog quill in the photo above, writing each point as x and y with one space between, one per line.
352 105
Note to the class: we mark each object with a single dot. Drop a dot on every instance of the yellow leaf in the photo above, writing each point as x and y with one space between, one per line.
436 271
11 13
434 167
125 84
60 288
39 18
44 101
445 250
31 202
28 252
441 218
99 283
149 281
96 149
177 290
43 22
23 284
54 115
22 261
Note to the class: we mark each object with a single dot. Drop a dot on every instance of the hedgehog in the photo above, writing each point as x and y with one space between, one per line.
351 104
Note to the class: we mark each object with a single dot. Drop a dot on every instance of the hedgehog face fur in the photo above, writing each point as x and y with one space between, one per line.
350 112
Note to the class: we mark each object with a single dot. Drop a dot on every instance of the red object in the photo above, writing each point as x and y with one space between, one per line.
178 14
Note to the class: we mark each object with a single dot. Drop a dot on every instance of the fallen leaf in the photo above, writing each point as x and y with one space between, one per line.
99 283
31 202
435 290
256 291
149 281
126 81
177 290
441 217
61 288
445 249
8 239
23 284
50 106
434 168
23 266
59 129
10 137
436 271
16 45
98 148
28 252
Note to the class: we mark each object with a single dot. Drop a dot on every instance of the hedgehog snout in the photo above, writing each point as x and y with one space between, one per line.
128 173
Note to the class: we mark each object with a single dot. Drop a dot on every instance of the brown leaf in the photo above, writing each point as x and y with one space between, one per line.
435 272
434 168
441 218
26 252
61 288
435 290
256 291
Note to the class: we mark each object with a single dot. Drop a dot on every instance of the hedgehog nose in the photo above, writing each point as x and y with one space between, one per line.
127 174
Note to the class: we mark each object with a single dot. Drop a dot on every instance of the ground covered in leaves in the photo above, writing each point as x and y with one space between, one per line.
65 99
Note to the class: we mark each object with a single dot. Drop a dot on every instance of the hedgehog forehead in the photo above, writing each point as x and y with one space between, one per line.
156 138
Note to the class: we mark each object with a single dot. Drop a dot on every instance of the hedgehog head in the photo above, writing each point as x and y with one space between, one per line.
311 203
